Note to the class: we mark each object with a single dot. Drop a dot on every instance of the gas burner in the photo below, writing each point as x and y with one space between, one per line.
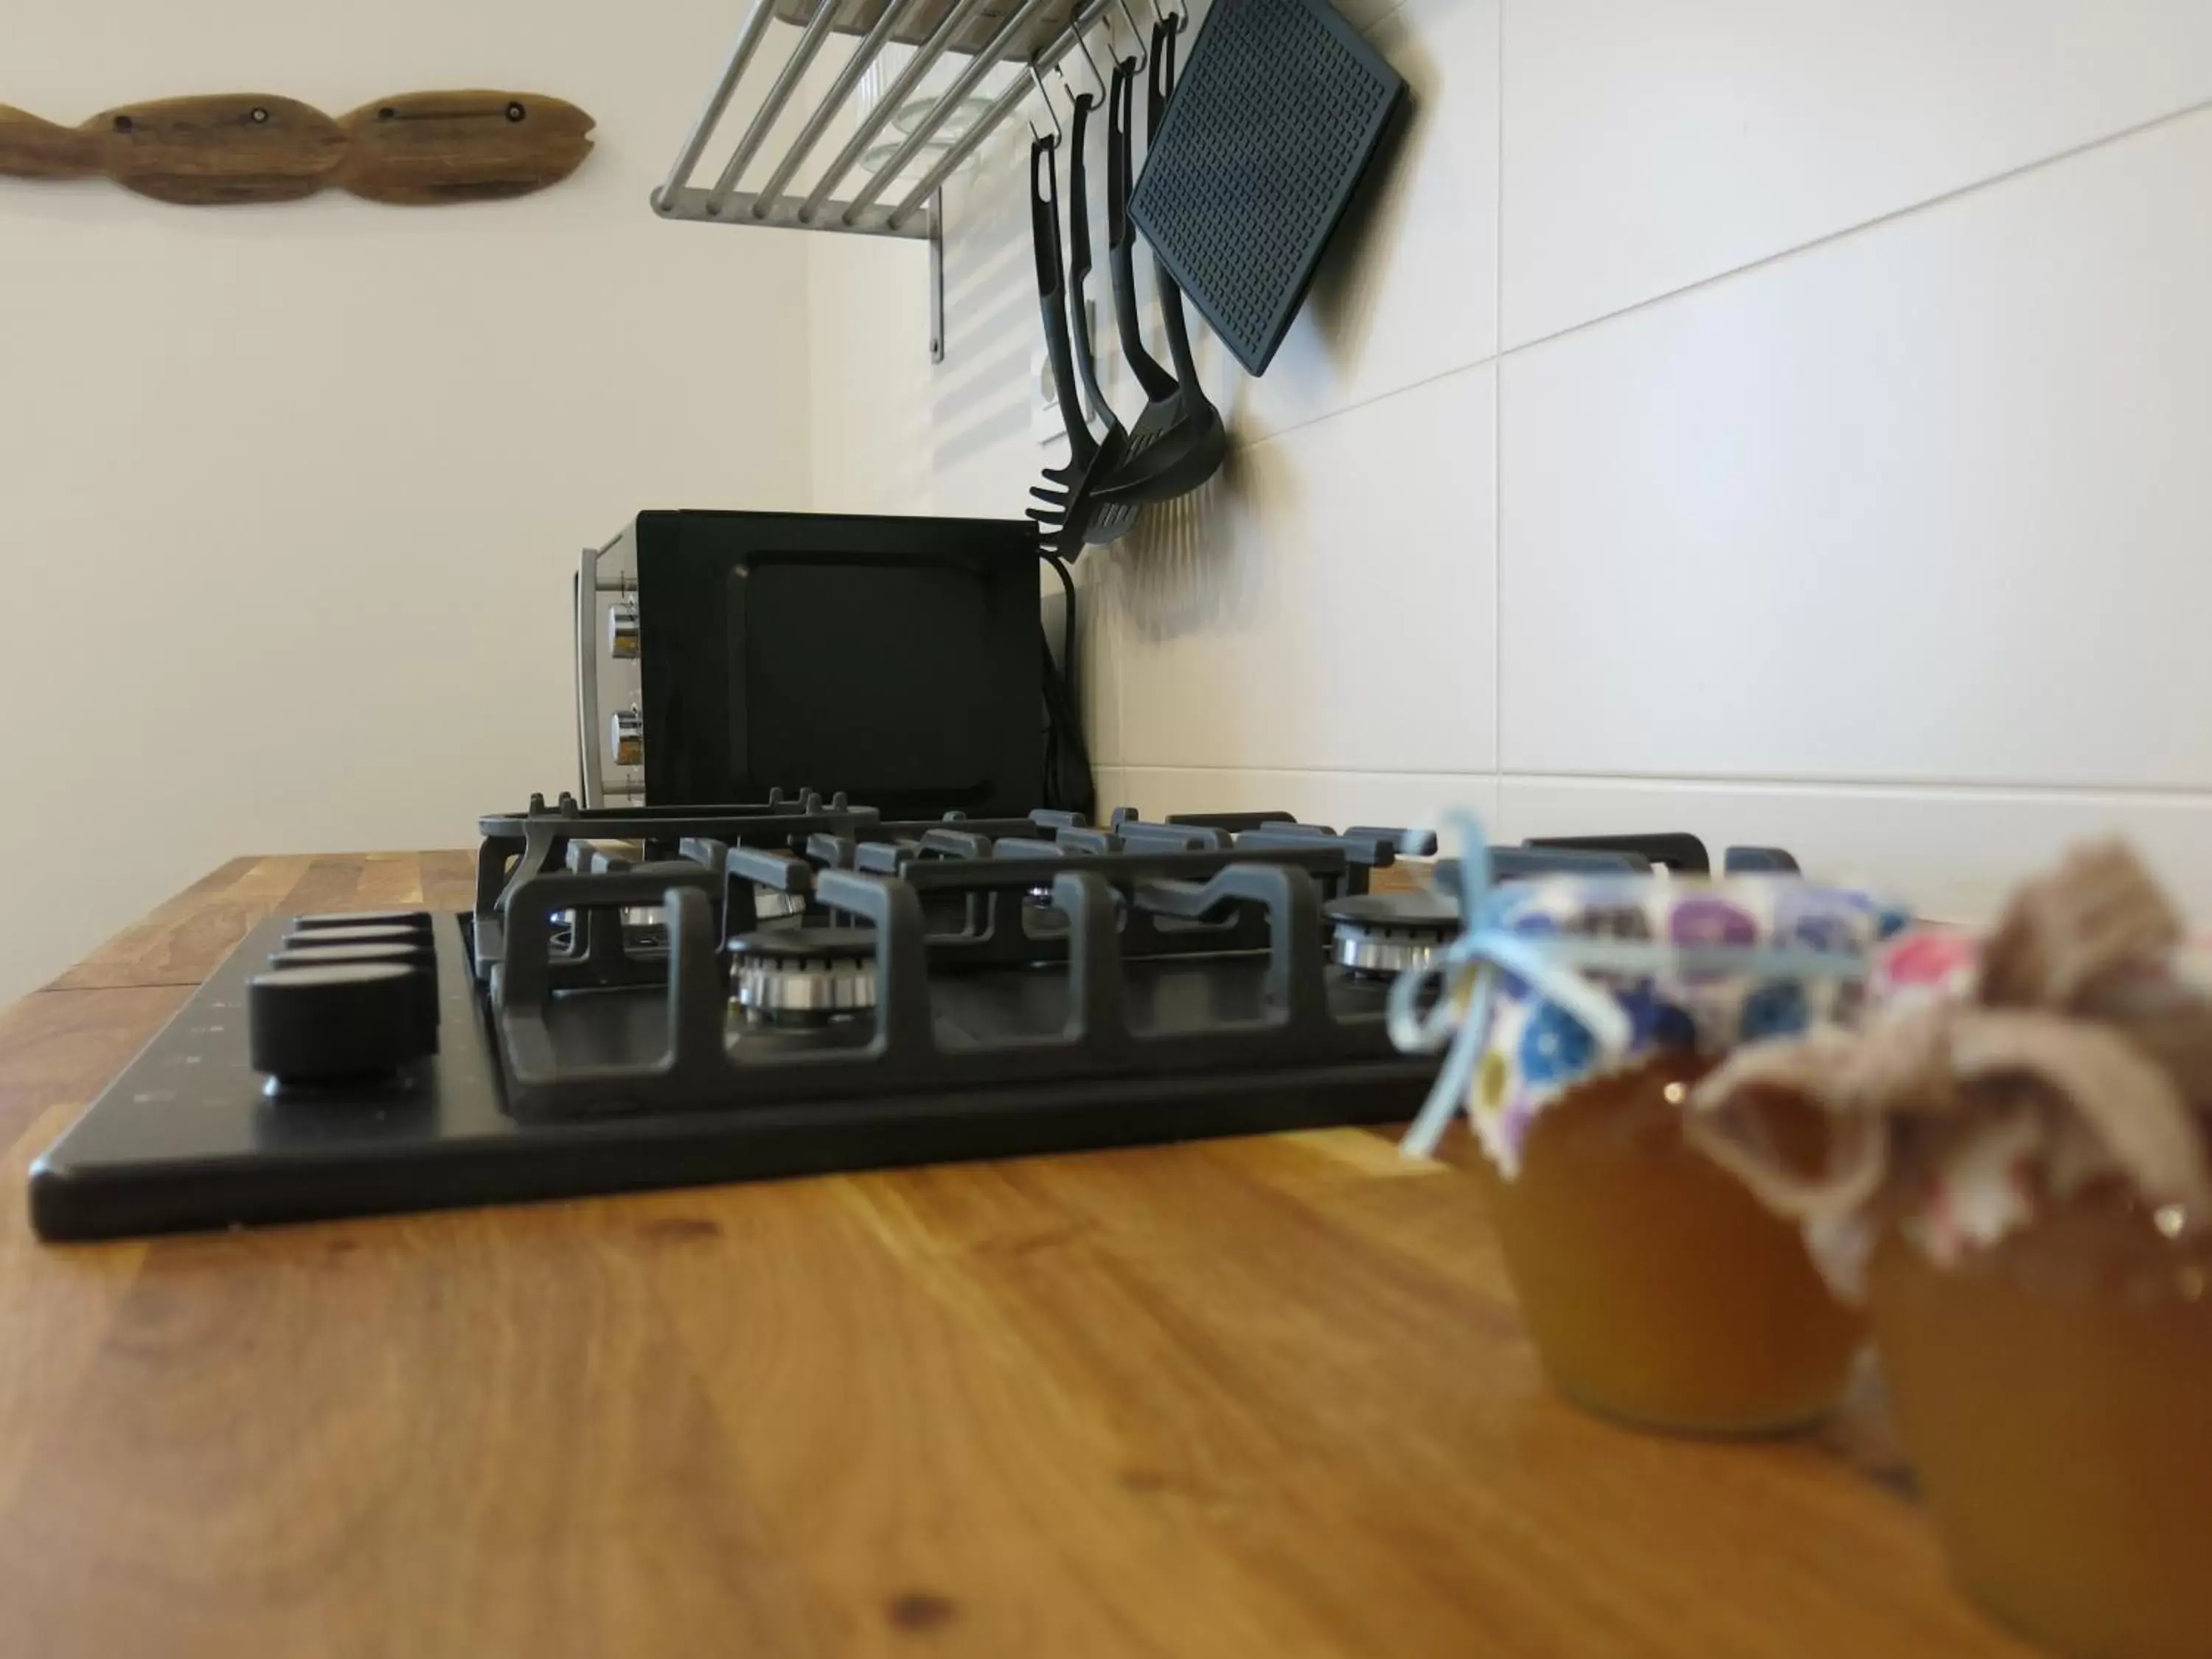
769 905
804 976
1381 935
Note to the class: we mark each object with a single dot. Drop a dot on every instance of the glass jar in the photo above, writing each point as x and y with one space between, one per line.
1658 1291
2054 1390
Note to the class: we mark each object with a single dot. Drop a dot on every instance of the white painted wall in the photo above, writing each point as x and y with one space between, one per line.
1787 421
291 495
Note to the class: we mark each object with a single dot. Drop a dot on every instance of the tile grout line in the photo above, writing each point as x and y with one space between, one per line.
1296 426
1382 17
1498 448
2179 794
1112 574
2190 792
1319 771
1502 351
1942 198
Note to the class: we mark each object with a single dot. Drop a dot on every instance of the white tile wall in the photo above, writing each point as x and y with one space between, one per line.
1887 548
1953 853
1327 602
1341 798
1927 503
1651 145
1098 651
1411 292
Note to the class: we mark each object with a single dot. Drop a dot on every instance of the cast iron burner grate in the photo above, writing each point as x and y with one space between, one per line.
665 996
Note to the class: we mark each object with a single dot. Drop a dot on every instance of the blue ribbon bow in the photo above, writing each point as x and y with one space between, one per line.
1459 985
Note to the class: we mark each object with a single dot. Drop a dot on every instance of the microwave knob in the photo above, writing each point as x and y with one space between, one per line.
627 738
621 630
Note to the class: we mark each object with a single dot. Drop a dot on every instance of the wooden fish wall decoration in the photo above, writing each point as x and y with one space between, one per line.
418 148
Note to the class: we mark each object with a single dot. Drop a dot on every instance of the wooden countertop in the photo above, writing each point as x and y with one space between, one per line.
1266 1397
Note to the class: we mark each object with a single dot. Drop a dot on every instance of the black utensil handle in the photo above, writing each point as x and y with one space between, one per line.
1159 88
1118 97
1159 85
1044 232
1078 258
1044 228
1121 236
1078 193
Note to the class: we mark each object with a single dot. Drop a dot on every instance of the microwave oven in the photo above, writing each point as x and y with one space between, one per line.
721 655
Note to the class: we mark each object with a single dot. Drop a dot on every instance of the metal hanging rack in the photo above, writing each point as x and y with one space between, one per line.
988 32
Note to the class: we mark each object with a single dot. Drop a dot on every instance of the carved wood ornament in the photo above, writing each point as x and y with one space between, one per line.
418 148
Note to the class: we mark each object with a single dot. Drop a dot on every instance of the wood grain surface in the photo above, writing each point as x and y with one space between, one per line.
1266 1397
33 147
415 149
224 148
426 148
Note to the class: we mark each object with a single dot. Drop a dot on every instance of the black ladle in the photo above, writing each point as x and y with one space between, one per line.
1190 448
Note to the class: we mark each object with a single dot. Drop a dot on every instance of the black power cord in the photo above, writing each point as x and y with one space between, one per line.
1067 781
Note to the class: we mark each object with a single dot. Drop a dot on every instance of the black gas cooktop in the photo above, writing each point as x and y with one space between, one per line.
674 995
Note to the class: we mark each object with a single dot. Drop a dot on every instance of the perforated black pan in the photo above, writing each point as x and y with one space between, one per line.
1281 109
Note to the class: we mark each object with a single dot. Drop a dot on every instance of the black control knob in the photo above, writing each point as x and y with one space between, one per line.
308 949
335 1023
401 941
305 951
382 933
418 920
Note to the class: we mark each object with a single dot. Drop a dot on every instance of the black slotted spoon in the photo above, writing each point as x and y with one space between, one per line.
1101 525
1179 457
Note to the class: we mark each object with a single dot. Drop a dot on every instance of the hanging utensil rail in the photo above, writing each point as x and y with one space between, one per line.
963 27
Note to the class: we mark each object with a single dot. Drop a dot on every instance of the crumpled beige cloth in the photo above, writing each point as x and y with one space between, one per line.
2075 1054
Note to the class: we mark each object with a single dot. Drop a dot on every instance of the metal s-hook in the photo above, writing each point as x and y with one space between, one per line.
1178 19
1135 34
1058 136
1084 46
